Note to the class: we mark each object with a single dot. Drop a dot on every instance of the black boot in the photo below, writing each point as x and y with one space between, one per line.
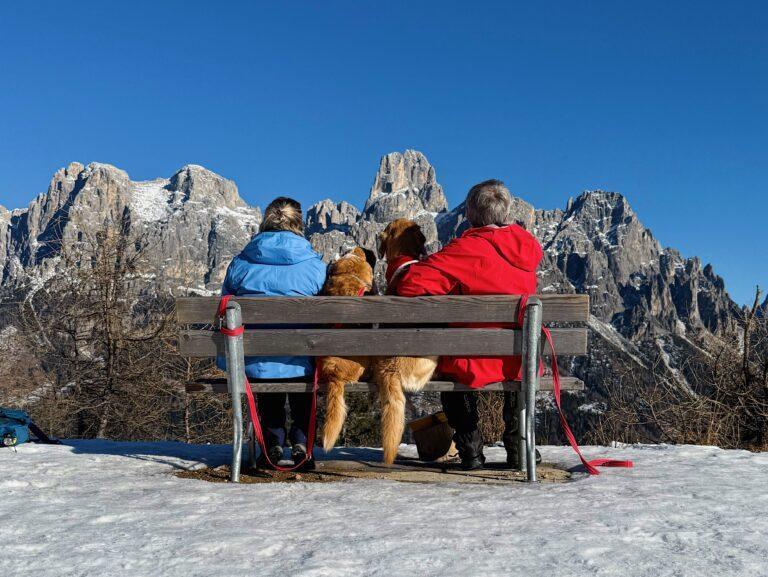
298 452
275 453
470 447
472 463
511 447
510 431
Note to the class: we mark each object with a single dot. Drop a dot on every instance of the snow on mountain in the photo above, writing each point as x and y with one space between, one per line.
645 300
149 200
98 508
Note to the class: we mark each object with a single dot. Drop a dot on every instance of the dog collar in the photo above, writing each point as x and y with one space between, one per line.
398 266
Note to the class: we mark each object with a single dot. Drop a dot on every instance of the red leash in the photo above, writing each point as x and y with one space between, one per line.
253 407
592 465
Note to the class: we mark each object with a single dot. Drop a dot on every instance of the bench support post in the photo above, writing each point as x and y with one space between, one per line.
531 354
233 347
521 424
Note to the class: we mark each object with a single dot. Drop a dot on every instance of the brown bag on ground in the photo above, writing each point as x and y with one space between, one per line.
434 437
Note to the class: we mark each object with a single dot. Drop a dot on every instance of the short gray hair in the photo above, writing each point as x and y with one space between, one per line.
488 203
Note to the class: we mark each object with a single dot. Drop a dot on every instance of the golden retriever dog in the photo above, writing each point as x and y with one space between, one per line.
350 275
401 242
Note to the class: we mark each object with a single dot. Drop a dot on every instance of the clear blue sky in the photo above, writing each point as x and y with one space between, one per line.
662 101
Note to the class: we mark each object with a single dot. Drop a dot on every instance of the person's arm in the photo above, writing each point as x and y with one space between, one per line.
320 275
440 273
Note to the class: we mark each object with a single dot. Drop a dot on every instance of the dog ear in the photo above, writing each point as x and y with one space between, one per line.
383 238
421 239
370 257
415 240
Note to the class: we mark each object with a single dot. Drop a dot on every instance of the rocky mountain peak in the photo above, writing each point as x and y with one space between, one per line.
603 223
198 184
325 216
404 186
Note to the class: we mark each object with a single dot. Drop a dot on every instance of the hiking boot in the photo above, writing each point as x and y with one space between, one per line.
470 447
512 455
472 462
275 453
298 453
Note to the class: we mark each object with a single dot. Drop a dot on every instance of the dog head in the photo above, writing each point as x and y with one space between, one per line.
348 274
402 237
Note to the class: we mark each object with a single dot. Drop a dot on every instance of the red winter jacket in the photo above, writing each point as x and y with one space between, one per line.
488 260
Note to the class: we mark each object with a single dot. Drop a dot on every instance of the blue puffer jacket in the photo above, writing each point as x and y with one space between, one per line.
275 264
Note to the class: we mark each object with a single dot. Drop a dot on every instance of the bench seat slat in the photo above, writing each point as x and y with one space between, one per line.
220 386
378 342
383 309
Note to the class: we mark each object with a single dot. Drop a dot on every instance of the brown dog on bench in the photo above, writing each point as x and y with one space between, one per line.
350 276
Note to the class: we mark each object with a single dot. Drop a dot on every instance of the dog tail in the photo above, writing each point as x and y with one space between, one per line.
335 413
392 415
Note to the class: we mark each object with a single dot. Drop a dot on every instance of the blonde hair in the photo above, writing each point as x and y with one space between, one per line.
283 213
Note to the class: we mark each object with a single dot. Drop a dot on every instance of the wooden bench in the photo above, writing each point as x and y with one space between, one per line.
418 334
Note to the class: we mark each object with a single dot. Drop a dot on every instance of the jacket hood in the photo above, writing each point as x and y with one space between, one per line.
513 243
278 248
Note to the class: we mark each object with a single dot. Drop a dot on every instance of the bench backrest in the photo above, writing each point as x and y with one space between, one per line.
415 318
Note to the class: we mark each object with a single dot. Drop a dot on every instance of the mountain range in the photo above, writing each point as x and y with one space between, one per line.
648 302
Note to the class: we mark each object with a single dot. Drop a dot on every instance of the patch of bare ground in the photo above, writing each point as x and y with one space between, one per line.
407 471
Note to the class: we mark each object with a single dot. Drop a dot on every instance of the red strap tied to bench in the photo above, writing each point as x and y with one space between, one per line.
253 409
590 466
221 313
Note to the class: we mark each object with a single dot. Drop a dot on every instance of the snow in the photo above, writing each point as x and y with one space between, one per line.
592 408
200 291
244 215
669 362
98 508
423 213
149 200
39 277
610 334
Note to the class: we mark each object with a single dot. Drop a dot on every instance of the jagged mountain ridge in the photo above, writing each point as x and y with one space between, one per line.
192 224
595 245
645 299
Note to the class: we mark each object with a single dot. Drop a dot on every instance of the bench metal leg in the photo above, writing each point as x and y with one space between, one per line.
531 334
235 381
521 423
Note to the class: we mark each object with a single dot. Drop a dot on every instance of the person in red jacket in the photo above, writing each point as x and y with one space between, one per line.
492 257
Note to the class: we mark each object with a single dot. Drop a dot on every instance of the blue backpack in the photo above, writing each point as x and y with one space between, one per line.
14 427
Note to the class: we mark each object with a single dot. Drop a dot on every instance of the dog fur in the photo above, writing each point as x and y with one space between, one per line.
393 375
347 276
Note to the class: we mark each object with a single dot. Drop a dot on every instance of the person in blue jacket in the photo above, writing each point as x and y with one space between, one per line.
279 261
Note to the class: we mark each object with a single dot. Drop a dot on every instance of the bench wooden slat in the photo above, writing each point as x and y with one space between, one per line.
377 342
383 309
220 386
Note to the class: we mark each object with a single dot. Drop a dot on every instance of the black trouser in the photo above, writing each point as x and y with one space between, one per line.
273 417
461 410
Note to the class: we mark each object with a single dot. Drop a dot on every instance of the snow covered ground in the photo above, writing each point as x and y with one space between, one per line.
95 508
